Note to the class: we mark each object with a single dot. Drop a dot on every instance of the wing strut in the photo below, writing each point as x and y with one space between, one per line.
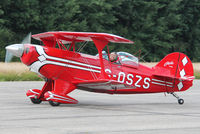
100 44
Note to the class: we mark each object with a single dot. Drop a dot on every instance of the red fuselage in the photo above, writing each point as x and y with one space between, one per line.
73 67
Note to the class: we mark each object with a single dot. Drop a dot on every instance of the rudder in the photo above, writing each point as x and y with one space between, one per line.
178 65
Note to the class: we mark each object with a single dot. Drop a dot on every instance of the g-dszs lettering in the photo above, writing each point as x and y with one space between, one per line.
130 79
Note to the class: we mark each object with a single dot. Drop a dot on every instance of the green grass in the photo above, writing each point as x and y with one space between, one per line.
26 76
197 74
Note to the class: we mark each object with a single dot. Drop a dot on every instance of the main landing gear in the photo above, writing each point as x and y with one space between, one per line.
180 101
38 101
35 100
53 103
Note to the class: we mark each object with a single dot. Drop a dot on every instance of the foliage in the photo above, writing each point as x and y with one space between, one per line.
157 27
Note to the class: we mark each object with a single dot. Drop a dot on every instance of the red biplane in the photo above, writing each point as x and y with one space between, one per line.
65 69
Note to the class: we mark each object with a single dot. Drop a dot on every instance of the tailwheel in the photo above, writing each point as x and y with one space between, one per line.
180 101
53 103
36 101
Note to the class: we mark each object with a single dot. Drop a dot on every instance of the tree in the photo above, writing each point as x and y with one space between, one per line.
191 28
157 27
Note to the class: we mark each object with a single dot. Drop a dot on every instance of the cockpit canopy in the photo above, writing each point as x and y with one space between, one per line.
124 58
127 59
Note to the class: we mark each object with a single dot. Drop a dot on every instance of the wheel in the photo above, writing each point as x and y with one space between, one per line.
53 103
36 101
180 101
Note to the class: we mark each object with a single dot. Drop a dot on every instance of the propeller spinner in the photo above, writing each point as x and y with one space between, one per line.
17 49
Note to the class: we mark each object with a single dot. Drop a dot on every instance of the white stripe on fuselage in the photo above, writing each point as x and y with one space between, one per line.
38 64
161 82
40 50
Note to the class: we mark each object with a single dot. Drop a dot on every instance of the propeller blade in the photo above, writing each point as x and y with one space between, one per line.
27 39
8 57
17 49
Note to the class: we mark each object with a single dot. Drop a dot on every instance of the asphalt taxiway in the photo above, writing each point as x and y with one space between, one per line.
98 113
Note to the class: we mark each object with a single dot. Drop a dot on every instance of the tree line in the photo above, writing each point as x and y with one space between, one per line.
158 27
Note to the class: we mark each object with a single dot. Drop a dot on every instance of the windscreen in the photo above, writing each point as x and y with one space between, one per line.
128 59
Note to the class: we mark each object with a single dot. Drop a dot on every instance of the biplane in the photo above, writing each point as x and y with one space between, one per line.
65 69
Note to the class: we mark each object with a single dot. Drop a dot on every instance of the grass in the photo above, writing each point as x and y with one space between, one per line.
27 76
197 74
20 72
16 72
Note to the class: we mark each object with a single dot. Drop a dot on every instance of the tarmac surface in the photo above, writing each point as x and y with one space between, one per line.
99 113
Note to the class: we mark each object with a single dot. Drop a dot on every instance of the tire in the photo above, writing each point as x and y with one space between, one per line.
180 101
36 101
53 103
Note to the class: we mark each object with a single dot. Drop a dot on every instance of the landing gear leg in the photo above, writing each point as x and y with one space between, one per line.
36 95
180 101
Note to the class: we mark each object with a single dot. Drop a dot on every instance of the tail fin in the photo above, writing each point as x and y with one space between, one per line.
176 65
176 68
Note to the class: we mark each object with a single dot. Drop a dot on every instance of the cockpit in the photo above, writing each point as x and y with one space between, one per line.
127 59
124 58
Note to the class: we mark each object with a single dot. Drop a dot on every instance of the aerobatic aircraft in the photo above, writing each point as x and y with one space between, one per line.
64 68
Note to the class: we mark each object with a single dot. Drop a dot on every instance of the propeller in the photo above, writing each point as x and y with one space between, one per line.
16 49
27 39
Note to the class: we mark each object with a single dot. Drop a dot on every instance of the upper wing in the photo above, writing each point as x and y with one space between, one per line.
68 37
